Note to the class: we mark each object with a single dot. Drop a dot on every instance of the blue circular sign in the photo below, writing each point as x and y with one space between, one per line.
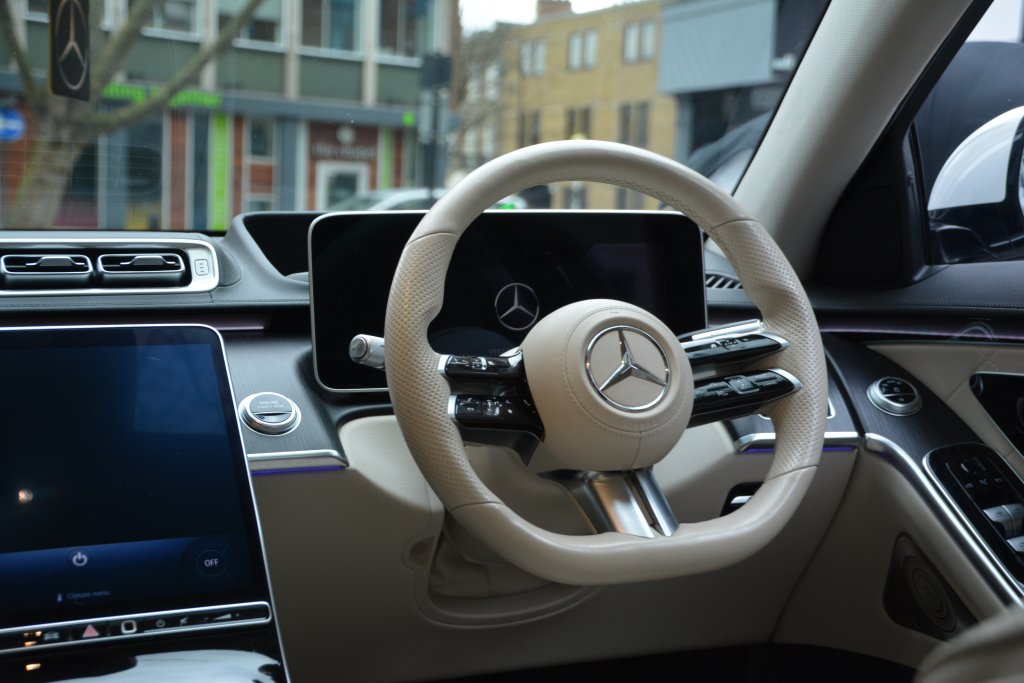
12 125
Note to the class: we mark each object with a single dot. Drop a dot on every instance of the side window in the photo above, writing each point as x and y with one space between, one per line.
970 139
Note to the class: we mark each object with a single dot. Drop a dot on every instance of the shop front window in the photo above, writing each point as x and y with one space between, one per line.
144 177
261 138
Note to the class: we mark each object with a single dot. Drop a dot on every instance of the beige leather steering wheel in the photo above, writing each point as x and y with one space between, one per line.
581 425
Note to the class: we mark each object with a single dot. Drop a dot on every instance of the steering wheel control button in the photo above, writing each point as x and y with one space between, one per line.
742 385
496 412
483 368
628 368
726 350
79 558
719 398
895 396
269 413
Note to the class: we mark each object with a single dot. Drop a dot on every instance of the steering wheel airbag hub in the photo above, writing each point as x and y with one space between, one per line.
611 383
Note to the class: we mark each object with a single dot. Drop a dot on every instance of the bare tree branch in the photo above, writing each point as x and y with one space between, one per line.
10 36
125 116
115 50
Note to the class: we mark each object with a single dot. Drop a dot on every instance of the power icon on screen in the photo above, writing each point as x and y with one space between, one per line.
78 558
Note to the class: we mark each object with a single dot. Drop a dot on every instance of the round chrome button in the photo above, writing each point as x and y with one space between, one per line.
895 396
269 413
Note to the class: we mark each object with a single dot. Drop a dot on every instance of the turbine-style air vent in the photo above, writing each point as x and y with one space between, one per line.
106 265
134 270
30 271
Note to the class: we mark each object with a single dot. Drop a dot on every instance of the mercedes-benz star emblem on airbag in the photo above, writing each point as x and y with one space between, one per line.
628 368
517 306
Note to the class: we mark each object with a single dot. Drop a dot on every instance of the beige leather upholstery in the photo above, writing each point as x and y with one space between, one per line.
991 652
420 394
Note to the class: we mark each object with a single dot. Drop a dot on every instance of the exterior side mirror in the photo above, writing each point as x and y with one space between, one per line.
975 208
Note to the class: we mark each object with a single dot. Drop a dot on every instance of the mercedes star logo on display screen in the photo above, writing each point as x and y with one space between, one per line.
516 306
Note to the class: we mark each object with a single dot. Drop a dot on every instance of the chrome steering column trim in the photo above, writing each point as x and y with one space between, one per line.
997 576
653 500
626 502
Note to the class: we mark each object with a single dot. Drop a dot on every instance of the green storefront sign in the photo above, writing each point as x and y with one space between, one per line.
188 97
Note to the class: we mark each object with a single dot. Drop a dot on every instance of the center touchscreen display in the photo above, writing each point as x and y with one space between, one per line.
123 485
510 269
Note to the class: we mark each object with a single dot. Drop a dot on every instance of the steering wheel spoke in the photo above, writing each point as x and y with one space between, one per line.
628 502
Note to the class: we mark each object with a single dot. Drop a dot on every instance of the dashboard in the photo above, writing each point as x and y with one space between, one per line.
305 487
510 269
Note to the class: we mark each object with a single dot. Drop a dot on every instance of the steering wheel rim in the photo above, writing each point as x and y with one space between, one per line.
420 394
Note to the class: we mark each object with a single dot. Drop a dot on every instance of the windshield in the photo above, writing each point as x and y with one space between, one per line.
180 114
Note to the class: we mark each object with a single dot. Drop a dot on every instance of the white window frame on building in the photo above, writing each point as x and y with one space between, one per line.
582 50
639 39
631 42
533 55
648 39
492 82
575 59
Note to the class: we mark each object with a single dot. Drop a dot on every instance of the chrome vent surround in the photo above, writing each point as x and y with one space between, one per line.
106 265
719 281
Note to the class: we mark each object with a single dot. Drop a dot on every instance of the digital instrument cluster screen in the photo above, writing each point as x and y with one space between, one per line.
123 484
510 269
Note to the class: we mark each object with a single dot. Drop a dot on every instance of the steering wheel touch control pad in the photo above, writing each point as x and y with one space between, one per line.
611 383
421 394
